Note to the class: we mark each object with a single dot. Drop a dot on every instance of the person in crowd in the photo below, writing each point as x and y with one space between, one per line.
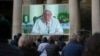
92 45
14 42
47 24
52 49
39 41
19 35
34 44
61 43
73 48
26 45
42 46
5 48
56 42
16 38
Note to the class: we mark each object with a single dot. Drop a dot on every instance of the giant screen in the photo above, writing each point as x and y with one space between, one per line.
33 21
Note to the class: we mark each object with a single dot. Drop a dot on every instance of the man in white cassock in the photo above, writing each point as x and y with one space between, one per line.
47 25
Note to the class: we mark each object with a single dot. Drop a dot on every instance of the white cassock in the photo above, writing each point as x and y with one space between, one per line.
52 27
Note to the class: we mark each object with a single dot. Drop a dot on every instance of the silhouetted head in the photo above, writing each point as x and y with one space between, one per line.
75 37
25 41
51 41
92 45
15 37
5 28
19 34
44 39
39 40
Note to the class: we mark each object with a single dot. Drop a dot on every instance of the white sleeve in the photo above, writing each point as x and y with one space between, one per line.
39 48
35 28
59 29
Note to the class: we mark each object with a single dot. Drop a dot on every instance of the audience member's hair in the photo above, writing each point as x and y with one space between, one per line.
75 37
34 44
51 41
39 40
5 28
25 41
92 46
19 34
15 37
27 45
44 39
15 41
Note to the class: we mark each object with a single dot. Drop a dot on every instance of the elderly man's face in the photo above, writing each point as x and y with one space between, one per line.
47 15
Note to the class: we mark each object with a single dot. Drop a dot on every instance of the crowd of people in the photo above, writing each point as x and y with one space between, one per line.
22 45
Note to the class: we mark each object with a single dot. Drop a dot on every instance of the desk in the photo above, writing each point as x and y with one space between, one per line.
27 28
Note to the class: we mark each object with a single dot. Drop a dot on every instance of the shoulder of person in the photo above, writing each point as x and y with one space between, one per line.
54 18
16 50
42 44
38 19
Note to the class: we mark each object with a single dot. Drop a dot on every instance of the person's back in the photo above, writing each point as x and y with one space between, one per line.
42 46
61 43
73 48
26 45
9 50
5 48
52 49
29 51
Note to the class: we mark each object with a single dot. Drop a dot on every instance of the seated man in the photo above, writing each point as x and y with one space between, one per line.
47 25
